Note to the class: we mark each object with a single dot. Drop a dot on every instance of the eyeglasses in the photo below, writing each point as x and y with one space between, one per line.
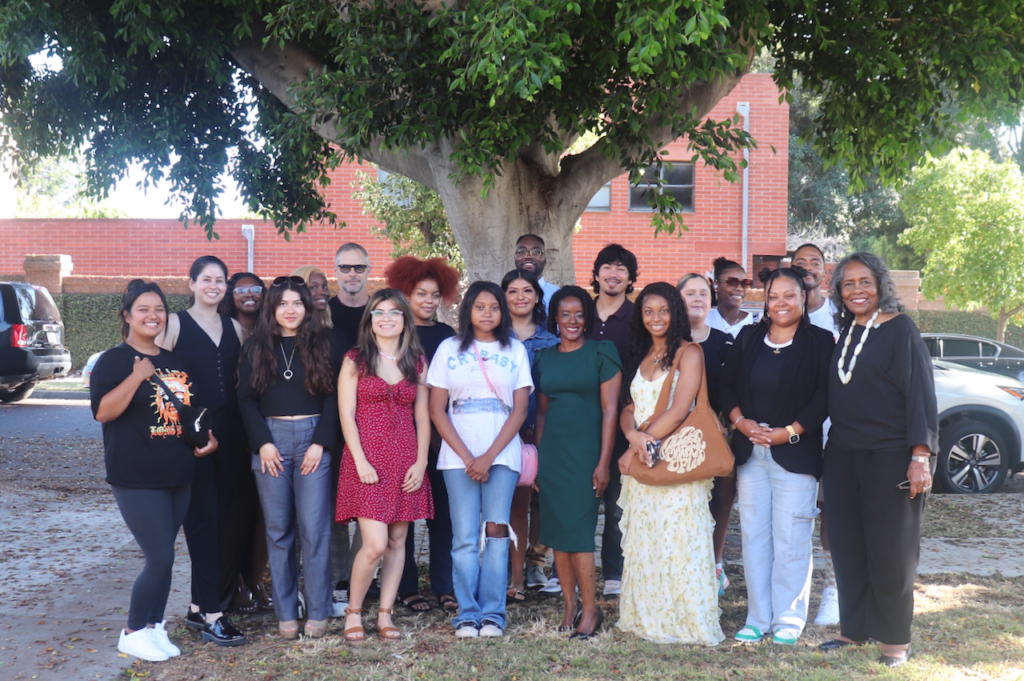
736 281
394 313
532 252
345 269
281 281
243 290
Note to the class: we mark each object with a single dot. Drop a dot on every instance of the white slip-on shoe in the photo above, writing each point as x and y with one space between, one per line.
140 644
164 641
612 587
490 630
828 609
553 587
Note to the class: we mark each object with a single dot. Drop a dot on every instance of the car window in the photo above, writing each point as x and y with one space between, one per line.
36 305
933 346
989 350
960 348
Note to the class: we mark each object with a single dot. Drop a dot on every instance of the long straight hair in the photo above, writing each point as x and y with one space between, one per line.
502 333
640 340
409 348
540 309
312 344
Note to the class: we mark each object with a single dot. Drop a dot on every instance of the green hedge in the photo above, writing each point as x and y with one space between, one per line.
970 323
91 322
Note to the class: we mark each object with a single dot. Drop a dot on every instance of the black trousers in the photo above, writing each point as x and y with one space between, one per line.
237 502
439 529
875 532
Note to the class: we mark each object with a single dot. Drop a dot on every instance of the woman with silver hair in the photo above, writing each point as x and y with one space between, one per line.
877 466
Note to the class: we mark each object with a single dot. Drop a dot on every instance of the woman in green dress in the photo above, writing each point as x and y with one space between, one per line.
577 384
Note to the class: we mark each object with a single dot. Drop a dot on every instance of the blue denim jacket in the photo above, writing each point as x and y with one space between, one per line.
541 338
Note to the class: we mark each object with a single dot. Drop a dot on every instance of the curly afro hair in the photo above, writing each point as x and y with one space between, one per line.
405 272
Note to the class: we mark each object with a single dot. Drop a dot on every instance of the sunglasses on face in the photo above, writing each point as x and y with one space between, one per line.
345 269
281 281
393 313
736 281
532 252
243 290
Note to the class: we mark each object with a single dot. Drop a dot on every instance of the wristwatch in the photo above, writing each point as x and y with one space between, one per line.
926 460
794 437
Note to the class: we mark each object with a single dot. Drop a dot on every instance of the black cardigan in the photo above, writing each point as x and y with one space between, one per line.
801 396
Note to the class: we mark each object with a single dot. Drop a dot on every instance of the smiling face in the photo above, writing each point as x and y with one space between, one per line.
530 255
860 290
731 295
147 318
570 319
810 259
657 316
424 301
352 282
290 312
486 313
613 278
246 299
696 294
521 298
387 320
785 302
210 286
319 291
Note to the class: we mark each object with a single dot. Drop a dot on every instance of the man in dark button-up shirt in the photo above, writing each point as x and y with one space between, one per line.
615 272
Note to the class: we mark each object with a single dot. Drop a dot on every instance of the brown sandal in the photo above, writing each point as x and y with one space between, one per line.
354 634
388 633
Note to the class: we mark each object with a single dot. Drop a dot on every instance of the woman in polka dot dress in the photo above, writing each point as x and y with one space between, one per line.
383 402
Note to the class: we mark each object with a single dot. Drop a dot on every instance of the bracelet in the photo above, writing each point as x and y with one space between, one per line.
918 458
738 420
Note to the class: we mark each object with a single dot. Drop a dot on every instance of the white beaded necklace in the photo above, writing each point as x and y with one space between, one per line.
845 376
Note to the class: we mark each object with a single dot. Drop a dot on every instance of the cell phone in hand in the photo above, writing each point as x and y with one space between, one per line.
653 452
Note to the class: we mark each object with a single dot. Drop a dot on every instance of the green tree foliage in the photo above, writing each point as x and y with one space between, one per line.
411 215
55 187
967 214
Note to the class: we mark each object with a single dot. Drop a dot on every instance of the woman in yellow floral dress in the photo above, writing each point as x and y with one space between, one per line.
669 589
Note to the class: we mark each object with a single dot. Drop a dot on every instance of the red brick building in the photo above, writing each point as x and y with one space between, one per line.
715 219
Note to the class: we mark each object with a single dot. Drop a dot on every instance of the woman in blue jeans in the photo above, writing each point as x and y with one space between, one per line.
287 396
480 384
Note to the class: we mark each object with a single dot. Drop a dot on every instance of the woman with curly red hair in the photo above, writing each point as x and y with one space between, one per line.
426 283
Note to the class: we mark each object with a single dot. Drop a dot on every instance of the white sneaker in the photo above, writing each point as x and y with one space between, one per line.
612 587
828 609
340 603
467 630
164 641
535 576
552 587
140 644
490 630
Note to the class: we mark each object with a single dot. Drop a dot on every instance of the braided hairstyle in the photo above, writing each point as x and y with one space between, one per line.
768 278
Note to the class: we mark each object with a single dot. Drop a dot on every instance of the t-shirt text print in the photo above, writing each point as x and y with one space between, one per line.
477 412
168 420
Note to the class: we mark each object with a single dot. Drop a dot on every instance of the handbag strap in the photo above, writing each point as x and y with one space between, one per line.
171 395
476 351
702 405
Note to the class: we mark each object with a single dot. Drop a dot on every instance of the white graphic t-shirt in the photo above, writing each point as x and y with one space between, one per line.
476 412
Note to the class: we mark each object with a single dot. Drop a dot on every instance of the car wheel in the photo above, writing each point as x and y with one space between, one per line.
17 394
973 458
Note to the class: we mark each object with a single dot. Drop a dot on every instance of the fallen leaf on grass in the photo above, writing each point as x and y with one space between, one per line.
93 650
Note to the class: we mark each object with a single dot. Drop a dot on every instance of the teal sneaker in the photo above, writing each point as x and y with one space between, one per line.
749 634
786 637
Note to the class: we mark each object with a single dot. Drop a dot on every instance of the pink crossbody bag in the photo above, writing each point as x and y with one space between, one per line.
528 472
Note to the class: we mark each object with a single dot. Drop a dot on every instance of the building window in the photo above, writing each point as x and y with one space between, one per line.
678 181
602 200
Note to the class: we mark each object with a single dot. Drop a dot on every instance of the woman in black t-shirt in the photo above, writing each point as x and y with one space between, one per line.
287 396
149 466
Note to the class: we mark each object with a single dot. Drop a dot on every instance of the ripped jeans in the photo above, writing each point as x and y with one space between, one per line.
480 583
777 511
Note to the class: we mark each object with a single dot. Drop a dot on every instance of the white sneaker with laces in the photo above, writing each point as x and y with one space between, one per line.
535 576
339 603
490 630
828 609
140 644
164 641
552 587
467 630
612 587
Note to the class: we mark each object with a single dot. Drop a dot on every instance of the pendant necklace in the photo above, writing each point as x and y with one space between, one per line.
846 375
288 364
384 354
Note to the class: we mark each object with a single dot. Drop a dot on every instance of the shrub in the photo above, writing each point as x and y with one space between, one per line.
970 323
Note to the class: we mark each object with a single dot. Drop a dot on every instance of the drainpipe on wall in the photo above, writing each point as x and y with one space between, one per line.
249 232
743 109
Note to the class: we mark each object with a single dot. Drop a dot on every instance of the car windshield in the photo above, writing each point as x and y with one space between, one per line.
36 305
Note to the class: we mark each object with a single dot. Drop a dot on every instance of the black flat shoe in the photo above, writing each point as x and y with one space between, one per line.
834 644
223 633
896 661
195 620
580 636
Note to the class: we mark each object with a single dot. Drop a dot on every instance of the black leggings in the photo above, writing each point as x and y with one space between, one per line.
154 517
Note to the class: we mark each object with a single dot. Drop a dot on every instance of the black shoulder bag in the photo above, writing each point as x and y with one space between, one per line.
195 421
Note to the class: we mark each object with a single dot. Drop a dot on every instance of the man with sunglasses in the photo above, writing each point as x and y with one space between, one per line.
530 254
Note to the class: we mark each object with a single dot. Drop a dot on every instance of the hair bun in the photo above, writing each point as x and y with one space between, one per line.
765 274
135 283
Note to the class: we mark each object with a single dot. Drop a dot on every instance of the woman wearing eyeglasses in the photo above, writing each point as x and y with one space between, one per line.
382 398
244 299
287 397
731 284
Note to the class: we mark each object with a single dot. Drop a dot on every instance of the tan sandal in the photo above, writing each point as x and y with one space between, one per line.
315 628
388 633
289 629
354 634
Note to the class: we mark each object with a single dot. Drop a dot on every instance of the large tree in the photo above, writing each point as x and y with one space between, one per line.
478 99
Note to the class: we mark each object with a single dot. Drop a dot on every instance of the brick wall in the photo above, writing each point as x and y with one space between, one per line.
161 248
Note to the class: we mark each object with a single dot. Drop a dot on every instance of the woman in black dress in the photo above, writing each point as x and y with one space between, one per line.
244 299
878 457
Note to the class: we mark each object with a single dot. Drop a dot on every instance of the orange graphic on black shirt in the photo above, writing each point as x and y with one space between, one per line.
170 421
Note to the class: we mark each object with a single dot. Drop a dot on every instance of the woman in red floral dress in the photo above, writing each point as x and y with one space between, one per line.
383 402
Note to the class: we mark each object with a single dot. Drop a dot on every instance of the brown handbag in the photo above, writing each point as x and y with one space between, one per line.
697 450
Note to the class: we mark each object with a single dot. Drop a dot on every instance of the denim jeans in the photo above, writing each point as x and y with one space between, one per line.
480 583
292 498
777 511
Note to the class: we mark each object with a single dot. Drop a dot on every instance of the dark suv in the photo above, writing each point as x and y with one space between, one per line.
31 340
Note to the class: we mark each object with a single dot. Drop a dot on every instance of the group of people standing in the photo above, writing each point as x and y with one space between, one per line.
366 408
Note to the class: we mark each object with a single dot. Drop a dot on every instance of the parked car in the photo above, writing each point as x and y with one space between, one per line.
89 366
31 340
977 353
981 420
